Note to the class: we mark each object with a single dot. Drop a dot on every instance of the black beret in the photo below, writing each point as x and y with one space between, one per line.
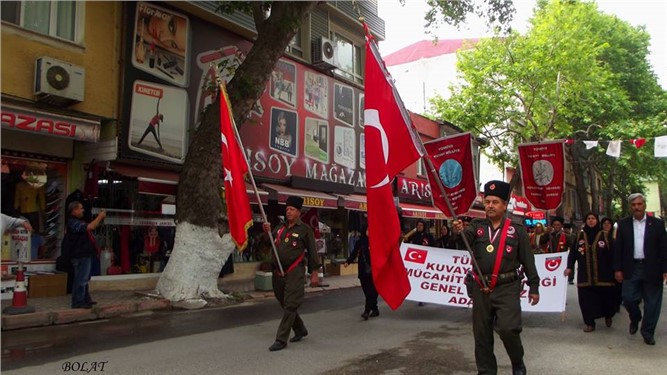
294 201
497 188
557 218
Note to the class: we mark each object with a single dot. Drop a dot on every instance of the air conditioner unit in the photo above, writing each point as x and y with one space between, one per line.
58 82
324 53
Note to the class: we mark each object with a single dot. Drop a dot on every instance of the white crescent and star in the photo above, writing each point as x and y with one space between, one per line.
372 119
414 255
228 173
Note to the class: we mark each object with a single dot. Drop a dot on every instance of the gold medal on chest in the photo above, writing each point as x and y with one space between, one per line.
489 248
286 239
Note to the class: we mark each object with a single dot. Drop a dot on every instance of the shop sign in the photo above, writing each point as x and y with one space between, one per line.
313 202
37 122
306 123
519 205
414 189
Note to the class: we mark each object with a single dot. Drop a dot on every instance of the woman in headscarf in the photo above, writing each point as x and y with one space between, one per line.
595 273
362 252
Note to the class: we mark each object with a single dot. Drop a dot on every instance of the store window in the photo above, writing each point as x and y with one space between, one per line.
136 237
349 56
54 18
34 190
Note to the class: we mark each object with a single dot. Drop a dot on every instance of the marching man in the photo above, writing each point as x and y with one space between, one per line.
502 250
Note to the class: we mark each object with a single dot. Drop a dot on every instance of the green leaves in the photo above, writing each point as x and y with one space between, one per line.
575 67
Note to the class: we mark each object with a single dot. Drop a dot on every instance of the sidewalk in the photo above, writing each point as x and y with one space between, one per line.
56 310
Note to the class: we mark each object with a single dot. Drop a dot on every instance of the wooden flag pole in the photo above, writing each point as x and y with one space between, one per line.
254 185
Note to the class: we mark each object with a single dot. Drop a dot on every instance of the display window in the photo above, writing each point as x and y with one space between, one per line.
34 190
136 237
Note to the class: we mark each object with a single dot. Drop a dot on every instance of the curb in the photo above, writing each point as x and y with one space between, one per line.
47 318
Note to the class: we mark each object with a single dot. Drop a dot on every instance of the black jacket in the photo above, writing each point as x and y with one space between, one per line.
655 248
78 243
361 250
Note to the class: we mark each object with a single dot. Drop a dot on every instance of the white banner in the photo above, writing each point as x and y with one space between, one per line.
437 276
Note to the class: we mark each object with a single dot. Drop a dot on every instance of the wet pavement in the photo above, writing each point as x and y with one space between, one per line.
56 310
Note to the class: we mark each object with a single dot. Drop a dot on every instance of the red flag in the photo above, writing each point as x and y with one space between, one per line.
235 166
543 173
453 161
638 142
390 148
312 218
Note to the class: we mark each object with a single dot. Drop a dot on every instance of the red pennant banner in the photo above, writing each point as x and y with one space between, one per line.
543 173
453 162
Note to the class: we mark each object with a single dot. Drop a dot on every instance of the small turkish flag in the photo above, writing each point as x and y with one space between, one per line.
416 256
638 142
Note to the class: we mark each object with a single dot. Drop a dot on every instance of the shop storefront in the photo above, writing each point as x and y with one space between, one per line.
37 167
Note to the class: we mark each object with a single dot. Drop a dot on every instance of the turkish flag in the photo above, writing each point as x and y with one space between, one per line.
543 173
235 167
312 218
390 148
453 163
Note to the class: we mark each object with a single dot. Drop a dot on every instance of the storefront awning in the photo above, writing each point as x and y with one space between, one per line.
429 212
420 211
310 198
29 119
263 194
355 202
151 180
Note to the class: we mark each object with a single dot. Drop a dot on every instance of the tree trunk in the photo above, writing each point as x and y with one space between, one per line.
595 203
199 251
579 171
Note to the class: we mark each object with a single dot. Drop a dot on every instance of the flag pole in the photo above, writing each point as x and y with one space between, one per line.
252 180
422 150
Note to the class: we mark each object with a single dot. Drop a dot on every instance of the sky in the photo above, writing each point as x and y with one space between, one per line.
404 25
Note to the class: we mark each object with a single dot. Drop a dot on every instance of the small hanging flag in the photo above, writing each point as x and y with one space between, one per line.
660 147
614 149
590 144
638 142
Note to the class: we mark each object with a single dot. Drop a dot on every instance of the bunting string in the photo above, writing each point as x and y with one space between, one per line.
614 146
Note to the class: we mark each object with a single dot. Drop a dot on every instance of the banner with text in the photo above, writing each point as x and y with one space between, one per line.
543 173
453 161
437 276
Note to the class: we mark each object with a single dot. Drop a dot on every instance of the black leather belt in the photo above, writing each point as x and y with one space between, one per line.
640 261
504 278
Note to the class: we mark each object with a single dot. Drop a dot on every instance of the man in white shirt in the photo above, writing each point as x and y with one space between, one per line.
640 263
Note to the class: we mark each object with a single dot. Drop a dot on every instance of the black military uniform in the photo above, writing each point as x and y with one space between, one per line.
560 241
296 248
501 309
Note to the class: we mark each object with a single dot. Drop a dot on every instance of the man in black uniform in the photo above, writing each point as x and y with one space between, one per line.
295 243
559 240
500 248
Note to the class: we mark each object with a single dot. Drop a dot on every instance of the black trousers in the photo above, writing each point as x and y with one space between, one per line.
370 292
